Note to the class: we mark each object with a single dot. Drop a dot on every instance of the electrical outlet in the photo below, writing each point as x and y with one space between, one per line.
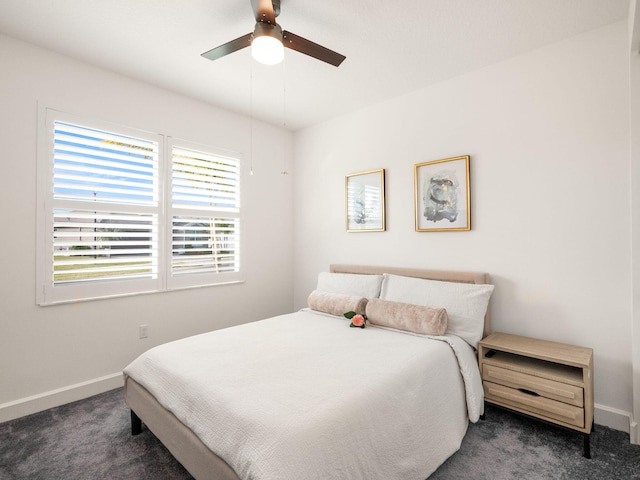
143 330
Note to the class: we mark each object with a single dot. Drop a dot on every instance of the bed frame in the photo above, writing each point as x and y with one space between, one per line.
186 447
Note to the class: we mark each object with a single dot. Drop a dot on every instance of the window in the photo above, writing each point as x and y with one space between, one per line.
124 212
205 211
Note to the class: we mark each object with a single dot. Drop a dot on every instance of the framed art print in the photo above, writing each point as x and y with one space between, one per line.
364 199
441 195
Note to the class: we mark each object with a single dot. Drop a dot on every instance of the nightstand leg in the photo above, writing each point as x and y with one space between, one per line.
587 445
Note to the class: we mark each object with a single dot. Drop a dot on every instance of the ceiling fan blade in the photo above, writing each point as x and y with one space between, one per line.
263 11
302 45
229 47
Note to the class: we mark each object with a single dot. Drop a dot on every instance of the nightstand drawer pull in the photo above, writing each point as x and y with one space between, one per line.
529 392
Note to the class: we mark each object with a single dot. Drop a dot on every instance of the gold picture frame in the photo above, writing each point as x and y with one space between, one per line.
441 195
365 201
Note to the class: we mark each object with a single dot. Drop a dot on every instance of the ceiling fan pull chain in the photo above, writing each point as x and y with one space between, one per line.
284 116
251 119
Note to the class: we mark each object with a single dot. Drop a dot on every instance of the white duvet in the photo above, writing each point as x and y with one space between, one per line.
303 396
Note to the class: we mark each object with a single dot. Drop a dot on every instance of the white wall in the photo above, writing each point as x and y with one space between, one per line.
50 355
634 82
548 135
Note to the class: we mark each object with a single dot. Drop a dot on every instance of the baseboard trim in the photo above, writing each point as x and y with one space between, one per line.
54 398
613 418
634 431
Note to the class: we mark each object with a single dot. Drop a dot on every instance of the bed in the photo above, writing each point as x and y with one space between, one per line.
303 395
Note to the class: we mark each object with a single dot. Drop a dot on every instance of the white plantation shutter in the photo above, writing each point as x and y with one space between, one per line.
99 245
98 179
205 213
123 211
99 228
204 181
98 166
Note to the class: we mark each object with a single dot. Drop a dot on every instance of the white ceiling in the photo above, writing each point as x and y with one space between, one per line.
392 47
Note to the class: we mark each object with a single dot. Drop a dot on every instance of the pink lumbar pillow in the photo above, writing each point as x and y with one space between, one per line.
336 303
407 316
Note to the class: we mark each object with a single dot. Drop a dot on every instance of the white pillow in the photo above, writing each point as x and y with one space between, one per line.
358 285
466 303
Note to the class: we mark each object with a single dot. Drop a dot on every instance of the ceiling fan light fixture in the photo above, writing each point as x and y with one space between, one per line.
266 46
268 40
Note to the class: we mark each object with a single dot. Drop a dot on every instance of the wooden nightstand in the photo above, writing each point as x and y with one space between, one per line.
547 380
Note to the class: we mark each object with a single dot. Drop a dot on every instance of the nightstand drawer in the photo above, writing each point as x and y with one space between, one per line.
541 386
533 404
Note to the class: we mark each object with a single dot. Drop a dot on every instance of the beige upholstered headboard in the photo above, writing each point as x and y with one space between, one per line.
442 275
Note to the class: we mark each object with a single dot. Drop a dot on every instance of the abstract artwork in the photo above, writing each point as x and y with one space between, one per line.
441 191
364 201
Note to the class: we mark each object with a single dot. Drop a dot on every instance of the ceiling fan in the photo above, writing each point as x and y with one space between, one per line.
269 40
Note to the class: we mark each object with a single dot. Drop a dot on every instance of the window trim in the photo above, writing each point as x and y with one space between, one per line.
46 292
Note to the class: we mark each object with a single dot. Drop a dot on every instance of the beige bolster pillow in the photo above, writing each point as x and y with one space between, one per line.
336 303
406 316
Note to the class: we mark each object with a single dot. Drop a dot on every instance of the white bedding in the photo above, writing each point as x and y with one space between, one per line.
303 396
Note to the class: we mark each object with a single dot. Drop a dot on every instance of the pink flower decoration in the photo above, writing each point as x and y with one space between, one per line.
357 320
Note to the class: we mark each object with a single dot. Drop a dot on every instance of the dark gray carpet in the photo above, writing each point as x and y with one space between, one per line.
91 439
508 446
